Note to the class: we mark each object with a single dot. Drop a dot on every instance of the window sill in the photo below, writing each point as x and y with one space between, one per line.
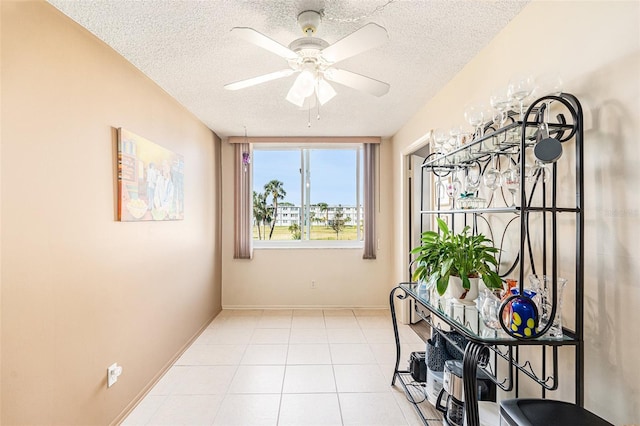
322 245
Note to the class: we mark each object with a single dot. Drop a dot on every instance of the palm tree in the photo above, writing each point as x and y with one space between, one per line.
324 207
294 228
275 188
259 210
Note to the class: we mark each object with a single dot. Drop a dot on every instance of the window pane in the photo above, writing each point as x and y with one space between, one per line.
333 212
316 194
279 171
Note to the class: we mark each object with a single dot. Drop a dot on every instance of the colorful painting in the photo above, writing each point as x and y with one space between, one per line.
150 180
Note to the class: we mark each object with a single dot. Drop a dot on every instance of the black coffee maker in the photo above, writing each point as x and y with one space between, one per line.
453 388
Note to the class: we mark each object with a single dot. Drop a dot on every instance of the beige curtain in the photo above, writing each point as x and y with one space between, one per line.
242 205
369 175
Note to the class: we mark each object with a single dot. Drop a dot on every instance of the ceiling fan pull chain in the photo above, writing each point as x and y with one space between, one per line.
309 118
318 98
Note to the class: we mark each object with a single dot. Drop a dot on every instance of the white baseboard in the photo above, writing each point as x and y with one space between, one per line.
309 307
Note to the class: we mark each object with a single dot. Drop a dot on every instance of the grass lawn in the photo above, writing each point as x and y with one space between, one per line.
318 232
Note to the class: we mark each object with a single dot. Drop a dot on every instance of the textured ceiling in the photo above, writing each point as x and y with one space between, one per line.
186 47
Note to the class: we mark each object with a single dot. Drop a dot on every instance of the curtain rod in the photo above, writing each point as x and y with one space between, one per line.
305 139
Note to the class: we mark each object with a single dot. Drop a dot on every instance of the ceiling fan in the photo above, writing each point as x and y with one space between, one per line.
314 59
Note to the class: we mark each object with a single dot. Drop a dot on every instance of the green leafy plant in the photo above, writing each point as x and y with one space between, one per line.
464 255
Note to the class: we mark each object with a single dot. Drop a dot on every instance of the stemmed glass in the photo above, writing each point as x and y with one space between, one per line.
511 180
440 137
489 306
474 114
454 188
492 178
441 189
519 89
501 102
548 84
539 168
472 181
455 133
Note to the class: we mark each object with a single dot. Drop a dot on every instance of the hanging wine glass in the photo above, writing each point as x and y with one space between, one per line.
519 89
472 182
492 178
453 189
529 172
538 170
441 189
511 180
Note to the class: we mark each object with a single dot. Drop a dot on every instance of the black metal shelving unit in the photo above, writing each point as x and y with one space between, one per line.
546 200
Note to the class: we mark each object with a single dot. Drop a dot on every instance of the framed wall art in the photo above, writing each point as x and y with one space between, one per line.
150 180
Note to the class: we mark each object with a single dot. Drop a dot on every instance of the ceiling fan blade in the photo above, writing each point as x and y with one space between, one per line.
261 40
370 36
357 81
257 80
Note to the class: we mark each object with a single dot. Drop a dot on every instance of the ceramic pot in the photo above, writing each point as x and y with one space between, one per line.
462 295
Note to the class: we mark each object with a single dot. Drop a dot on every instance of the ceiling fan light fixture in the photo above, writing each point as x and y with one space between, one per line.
295 99
305 83
303 87
295 93
324 91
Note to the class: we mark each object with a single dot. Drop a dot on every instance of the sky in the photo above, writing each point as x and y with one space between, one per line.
333 174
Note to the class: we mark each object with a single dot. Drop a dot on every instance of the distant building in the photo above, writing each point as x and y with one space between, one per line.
288 215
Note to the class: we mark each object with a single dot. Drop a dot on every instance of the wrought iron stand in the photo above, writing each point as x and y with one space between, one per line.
538 207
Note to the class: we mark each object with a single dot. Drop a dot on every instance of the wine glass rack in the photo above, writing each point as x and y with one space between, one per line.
547 201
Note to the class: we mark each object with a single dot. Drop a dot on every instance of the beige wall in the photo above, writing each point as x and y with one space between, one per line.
595 46
282 278
0 213
79 289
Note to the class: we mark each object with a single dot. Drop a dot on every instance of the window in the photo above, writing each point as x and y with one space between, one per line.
307 196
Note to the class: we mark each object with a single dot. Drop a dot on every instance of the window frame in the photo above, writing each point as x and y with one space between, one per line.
315 244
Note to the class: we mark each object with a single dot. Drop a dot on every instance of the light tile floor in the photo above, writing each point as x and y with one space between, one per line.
286 367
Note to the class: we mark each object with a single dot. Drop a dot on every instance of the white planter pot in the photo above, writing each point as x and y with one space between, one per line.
455 290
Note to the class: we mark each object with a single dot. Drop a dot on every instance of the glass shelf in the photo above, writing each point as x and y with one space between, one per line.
466 319
504 141
516 210
485 210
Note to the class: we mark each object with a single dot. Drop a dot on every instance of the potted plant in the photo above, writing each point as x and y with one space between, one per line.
462 257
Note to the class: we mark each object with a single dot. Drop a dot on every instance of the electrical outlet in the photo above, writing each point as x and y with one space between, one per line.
113 372
313 285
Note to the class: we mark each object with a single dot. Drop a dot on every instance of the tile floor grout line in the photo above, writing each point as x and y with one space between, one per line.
284 377
234 324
